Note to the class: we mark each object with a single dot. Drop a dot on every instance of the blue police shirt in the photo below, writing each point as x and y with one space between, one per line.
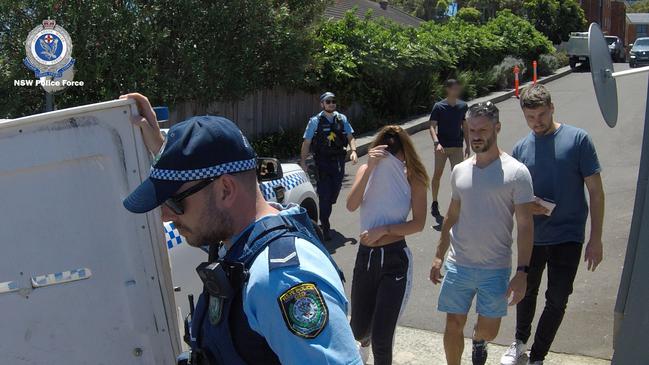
336 343
558 164
313 125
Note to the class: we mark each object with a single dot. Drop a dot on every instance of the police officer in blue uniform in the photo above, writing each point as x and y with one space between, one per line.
327 135
272 294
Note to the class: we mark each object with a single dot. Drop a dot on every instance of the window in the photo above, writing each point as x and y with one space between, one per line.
641 30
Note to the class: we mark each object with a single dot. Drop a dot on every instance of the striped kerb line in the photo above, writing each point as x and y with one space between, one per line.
8 287
60 277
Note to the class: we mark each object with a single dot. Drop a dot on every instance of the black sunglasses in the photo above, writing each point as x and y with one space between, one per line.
330 101
175 202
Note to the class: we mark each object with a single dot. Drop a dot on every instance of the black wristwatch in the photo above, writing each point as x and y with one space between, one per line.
523 268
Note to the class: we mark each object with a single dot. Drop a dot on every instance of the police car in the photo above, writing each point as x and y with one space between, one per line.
281 183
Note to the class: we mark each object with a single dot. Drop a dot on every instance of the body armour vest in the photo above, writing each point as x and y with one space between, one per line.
220 332
330 139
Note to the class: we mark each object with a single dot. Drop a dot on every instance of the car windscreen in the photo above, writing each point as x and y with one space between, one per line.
641 43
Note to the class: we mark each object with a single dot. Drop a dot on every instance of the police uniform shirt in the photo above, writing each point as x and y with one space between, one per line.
268 299
312 127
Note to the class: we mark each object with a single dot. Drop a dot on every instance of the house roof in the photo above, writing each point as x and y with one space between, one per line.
638 18
340 7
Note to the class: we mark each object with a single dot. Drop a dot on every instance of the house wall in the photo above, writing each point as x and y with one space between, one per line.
598 11
618 20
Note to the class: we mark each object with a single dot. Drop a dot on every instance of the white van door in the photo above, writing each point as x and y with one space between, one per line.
82 280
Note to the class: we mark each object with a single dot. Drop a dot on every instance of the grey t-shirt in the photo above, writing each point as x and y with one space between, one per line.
482 236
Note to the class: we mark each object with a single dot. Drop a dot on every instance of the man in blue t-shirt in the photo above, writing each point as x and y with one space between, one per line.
447 125
561 159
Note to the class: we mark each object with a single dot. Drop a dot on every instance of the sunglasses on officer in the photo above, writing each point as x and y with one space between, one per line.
175 203
330 101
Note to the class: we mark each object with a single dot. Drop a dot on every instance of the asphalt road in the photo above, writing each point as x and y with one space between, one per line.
588 324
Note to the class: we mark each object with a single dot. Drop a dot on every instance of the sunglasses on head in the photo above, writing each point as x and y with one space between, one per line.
175 203
330 101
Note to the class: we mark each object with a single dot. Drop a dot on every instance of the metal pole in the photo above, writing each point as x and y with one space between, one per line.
631 315
631 71
49 102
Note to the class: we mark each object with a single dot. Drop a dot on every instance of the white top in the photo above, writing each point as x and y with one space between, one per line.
387 195
482 236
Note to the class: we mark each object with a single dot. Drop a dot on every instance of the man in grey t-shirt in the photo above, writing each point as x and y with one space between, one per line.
487 191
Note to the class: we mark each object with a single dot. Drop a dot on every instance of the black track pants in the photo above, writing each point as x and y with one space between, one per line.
380 289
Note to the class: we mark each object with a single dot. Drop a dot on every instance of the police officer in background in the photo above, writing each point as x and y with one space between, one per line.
327 135
272 294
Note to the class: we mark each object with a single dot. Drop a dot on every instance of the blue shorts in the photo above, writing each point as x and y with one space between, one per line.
462 283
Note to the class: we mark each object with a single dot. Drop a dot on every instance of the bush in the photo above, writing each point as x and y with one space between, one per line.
470 15
169 51
280 145
503 73
476 83
521 38
562 58
380 65
547 64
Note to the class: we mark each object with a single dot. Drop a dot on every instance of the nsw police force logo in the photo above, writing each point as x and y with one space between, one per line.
304 310
49 50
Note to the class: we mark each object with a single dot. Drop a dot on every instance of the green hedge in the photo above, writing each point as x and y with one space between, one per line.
394 71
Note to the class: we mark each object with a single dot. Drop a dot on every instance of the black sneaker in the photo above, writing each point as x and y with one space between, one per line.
479 353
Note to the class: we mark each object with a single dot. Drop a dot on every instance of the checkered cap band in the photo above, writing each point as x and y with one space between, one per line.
204 173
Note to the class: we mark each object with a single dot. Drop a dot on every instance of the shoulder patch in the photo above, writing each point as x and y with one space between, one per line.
282 253
304 310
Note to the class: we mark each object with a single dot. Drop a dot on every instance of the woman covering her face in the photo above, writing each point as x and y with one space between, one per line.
391 185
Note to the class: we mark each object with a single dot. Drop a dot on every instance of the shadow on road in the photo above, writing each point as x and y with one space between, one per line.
338 240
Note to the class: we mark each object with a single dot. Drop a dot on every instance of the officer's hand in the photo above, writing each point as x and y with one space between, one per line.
440 148
354 157
147 122
375 155
436 271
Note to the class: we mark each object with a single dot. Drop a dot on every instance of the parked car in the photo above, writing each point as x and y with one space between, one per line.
578 49
639 53
616 48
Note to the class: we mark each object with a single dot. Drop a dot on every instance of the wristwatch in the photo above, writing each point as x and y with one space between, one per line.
435 143
523 268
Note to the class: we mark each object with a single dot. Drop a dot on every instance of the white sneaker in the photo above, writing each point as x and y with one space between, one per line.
364 351
513 353
534 362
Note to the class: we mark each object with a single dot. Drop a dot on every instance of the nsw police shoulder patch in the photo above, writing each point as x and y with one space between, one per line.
304 310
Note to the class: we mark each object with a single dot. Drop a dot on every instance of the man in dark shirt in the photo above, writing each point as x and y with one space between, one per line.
447 123
561 159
